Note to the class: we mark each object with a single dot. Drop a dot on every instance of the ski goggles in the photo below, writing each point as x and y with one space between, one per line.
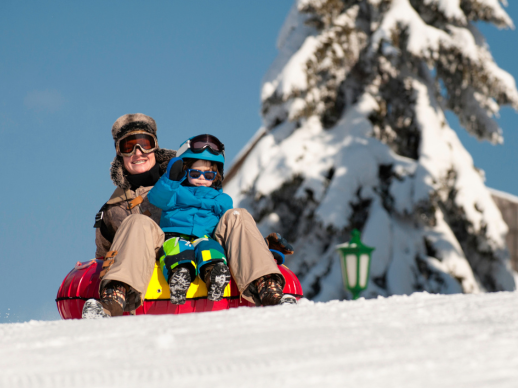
127 144
200 143
208 175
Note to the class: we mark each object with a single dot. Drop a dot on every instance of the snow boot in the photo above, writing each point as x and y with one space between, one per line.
113 298
93 309
269 291
216 277
113 301
179 283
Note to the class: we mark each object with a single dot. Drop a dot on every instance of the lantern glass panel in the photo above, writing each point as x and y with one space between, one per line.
352 266
364 267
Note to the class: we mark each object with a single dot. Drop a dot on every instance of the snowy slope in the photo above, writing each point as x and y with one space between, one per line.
414 341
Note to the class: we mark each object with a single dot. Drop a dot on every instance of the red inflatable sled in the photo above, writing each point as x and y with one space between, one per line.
82 283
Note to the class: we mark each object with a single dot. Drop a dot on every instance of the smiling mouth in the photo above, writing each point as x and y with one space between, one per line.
139 162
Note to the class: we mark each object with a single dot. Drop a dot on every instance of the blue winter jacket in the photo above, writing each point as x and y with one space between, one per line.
189 210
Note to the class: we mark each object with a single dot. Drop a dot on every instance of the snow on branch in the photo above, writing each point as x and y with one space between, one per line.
424 41
476 86
449 10
310 79
476 115
488 11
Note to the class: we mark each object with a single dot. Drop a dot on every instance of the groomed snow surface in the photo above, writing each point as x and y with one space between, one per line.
416 341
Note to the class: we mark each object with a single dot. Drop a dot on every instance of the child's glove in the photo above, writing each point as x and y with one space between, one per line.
278 243
175 168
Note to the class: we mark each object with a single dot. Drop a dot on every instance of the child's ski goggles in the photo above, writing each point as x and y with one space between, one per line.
127 144
195 174
200 143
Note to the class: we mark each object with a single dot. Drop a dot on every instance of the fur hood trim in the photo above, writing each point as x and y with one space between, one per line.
118 173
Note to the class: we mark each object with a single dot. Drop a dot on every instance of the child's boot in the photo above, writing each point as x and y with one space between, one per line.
216 277
179 283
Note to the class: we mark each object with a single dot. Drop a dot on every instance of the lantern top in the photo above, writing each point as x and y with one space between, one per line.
355 245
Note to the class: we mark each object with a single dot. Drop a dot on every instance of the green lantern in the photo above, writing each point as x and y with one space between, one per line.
356 262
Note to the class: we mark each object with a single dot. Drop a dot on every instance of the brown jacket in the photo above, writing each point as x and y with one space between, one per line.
118 208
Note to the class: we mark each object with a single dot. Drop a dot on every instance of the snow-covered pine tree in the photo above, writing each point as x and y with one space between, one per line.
355 136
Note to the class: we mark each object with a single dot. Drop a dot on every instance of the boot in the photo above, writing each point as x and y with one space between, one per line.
93 309
216 277
113 301
179 283
113 298
288 299
268 289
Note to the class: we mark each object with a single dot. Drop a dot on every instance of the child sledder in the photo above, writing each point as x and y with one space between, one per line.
192 203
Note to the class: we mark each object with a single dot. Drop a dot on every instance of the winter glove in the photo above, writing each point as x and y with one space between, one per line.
278 243
175 168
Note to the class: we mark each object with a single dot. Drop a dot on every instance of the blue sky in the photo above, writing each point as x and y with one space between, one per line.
69 69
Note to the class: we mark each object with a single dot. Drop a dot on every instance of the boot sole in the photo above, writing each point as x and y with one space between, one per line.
288 299
219 279
178 286
93 309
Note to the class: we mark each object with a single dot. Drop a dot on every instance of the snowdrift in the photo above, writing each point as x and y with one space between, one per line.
419 341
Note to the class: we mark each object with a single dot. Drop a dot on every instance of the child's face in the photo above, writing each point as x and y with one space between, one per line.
202 165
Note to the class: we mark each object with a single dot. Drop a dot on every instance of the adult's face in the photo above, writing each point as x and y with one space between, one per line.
139 162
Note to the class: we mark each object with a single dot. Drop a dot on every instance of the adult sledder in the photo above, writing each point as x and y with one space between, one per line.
129 237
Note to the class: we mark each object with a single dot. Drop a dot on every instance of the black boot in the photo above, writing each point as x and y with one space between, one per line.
179 283
216 277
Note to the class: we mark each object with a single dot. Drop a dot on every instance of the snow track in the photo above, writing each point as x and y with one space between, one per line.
418 341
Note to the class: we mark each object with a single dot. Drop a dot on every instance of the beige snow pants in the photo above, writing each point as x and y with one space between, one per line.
248 255
137 241
139 238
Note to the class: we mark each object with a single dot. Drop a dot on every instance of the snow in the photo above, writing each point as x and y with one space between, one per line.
422 340
498 12
291 37
424 40
449 8
293 76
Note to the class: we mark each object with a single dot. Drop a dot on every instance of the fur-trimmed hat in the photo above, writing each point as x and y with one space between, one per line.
132 122
125 124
